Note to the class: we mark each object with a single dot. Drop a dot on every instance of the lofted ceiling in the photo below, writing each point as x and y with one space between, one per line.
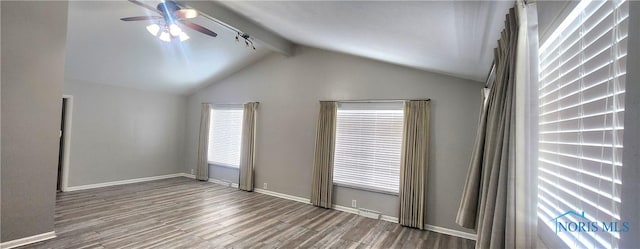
450 37
103 49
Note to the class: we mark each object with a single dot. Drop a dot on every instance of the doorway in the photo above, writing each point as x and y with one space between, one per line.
64 136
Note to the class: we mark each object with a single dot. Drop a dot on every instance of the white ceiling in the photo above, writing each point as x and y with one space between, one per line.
103 49
455 38
452 37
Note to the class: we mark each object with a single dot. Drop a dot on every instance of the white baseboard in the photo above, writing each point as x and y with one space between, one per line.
187 175
388 218
283 196
114 183
344 209
451 232
223 182
369 214
28 240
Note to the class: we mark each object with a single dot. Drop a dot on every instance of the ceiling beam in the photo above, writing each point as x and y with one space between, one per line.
220 13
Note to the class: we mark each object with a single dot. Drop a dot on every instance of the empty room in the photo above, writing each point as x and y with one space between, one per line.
320 124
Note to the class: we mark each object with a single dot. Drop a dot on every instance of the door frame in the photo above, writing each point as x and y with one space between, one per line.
66 146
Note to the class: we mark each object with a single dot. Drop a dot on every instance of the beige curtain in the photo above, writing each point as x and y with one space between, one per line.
469 203
415 162
247 150
322 178
202 169
488 198
522 200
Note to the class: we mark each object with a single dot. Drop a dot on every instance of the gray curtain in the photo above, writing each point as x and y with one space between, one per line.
484 200
322 178
247 150
415 162
469 204
202 169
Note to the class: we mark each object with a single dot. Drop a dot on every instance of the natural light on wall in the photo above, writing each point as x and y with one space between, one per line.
581 98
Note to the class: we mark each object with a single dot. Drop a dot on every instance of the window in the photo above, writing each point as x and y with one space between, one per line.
368 145
581 114
225 135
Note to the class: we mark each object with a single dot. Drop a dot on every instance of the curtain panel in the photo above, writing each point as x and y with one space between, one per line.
414 164
522 201
484 200
322 177
469 203
499 197
202 169
247 149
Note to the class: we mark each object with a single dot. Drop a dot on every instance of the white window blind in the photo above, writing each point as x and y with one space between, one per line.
581 114
368 145
225 135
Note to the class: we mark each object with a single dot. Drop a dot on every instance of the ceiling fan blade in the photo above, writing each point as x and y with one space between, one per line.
145 6
141 18
199 28
185 13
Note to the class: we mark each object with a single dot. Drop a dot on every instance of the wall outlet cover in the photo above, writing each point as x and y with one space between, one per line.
265 186
353 203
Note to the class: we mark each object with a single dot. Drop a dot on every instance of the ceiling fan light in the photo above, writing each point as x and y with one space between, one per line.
188 13
165 36
183 36
174 30
153 29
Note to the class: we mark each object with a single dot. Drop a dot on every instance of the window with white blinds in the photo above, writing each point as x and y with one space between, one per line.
225 135
368 145
581 114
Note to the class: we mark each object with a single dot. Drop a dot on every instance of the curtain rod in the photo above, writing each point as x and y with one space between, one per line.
373 100
230 103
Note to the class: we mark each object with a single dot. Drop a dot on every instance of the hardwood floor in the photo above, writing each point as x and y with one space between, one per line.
184 213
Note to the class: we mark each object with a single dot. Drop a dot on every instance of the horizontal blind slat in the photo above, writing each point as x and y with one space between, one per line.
368 146
582 79
225 134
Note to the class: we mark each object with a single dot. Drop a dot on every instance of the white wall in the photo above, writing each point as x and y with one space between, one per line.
121 133
33 54
289 88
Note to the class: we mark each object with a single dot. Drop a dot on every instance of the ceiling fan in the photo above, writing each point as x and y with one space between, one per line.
166 26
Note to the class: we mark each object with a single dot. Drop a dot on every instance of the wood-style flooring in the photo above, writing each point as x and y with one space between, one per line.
185 213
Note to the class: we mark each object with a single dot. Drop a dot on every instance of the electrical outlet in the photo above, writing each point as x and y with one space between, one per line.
265 186
353 203
192 171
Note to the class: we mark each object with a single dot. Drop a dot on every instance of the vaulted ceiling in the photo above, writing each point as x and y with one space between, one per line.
455 38
103 49
450 37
